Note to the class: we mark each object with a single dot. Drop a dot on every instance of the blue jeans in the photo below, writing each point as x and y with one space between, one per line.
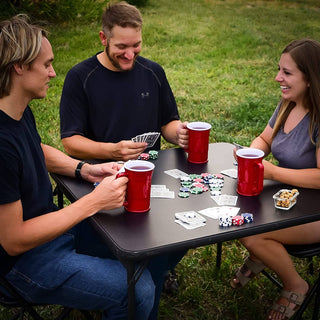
77 270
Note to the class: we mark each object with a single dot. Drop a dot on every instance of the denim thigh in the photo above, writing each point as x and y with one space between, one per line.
55 273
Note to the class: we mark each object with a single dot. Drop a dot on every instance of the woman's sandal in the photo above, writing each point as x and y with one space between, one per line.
293 298
248 266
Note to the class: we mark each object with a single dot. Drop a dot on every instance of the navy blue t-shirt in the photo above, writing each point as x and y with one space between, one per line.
23 173
109 106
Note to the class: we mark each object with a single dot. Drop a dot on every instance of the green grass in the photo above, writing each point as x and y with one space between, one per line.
221 58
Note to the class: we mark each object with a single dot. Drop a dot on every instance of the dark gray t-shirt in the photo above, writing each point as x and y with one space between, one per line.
294 149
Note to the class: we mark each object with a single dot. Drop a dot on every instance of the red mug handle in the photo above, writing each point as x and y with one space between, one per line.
119 175
260 174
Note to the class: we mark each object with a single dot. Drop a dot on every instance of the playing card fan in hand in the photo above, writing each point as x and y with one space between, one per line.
150 138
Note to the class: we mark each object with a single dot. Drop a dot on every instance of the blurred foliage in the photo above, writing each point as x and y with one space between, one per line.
58 10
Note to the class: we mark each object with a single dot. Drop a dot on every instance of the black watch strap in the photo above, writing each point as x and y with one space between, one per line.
78 169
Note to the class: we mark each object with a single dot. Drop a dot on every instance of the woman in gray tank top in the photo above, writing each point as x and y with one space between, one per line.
292 136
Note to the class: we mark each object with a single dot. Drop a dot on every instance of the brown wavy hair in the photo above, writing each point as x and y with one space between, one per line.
306 55
120 14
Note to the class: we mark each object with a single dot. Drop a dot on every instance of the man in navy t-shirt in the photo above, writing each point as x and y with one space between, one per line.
116 95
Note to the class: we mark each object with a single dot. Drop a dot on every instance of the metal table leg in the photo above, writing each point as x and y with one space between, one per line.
133 275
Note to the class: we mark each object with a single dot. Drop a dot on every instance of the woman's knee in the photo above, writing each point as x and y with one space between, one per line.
251 242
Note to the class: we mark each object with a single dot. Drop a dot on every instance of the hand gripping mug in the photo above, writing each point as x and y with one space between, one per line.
198 141
139 173
250 171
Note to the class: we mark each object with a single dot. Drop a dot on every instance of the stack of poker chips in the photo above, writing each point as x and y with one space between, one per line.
226 220
237 220
199 183
144 156
152 154
248 217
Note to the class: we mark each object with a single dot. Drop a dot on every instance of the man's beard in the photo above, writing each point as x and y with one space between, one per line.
115 63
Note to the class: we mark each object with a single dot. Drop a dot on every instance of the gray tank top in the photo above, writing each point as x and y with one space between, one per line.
295 149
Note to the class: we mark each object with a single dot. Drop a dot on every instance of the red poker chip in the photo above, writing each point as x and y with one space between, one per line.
237 220
198 185
144 156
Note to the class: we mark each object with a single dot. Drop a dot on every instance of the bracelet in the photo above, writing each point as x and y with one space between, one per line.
77 172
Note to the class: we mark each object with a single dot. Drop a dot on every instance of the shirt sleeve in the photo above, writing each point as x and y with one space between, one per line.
73 106
9 175
273 118
169 110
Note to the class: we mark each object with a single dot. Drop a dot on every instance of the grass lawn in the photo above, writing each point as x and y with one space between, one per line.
221 58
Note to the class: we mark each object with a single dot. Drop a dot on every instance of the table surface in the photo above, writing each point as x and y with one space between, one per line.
139 236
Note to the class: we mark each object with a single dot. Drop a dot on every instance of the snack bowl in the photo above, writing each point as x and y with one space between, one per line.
285 199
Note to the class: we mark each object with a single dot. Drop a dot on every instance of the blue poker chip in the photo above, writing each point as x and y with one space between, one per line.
184 189
248 217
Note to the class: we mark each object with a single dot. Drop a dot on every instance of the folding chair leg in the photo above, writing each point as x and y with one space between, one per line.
316 308
273 279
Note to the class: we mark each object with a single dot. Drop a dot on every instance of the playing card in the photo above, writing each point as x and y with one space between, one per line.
176 173
215 212
190 219
225 200
233 173
150 138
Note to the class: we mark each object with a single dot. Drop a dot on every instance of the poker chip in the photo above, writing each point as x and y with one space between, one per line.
194 176
196 190
248 217
225 221
183 194
187 184
144 156
153 154
199 183
185 179
215 192
238 220
205 174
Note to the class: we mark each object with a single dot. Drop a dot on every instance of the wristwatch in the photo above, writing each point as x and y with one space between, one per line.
78 169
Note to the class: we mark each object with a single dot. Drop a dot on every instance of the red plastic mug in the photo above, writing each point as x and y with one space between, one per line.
250 171
139 173
198 141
